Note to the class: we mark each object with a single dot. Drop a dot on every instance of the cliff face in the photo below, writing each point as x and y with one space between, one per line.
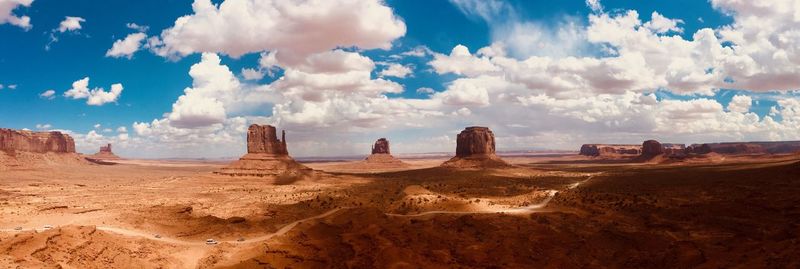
263 139
475 141
475 148
381 147
36 142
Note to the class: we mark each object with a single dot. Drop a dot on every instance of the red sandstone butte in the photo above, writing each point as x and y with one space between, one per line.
266 155
652 148
475 147
381 154
105 153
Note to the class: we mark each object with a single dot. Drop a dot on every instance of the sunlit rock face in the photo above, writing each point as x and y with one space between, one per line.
36 142
263 139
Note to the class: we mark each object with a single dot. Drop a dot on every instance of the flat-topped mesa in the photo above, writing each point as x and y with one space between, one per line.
266 155
381 147
35 142
596 150
475 147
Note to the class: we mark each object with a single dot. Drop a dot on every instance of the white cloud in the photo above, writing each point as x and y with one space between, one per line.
294 29
425 90
137 27
396 70
70 24
95 97
12 87
48 94
122 129
252 74
740 104
7 8
126 47
97 126
595 6
45 126
660 24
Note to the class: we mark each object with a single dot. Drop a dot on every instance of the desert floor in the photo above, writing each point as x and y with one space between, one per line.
545 212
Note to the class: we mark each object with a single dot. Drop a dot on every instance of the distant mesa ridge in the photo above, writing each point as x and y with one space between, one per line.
653 148
475 147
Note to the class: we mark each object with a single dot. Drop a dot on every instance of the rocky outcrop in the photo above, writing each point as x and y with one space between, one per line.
105 153
21 149
381 147
475 147
746 148
597 150
35 142
266 156
652 148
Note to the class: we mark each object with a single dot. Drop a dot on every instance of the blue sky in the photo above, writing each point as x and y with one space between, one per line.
31 60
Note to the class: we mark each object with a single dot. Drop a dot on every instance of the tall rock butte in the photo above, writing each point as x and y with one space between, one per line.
35 142
266 155
381 155
652 148
475 147
381 146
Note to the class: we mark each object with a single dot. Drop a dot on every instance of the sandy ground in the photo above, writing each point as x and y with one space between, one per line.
548 212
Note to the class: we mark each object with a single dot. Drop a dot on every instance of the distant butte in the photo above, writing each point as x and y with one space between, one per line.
105 153
266 155
381 154
475 148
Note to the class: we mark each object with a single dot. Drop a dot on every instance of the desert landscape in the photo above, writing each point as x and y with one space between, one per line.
398 134
476 210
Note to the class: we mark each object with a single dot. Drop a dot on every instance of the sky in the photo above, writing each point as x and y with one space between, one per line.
184 79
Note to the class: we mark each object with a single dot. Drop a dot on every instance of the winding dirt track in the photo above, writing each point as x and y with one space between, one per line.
288 227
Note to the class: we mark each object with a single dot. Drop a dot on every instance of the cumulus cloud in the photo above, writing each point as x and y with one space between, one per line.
94 97
740 103
45 126
48 94
70 24
521 37
252 74
396 70
137 27
126 47
7 15
294 29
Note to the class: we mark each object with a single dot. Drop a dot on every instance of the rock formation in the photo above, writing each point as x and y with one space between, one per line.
381 155
36 142
266 155
381 147
475 147
105 153
745 148
652 148
27 149
613 150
